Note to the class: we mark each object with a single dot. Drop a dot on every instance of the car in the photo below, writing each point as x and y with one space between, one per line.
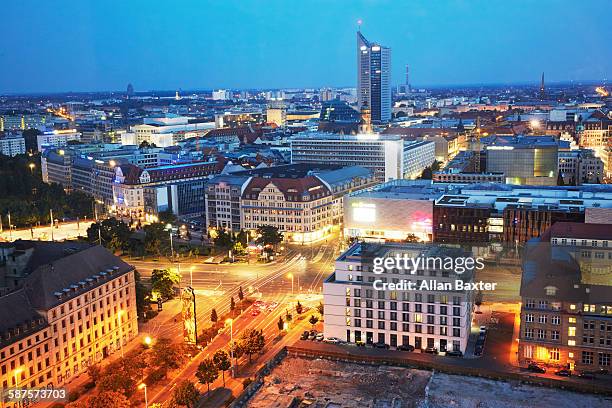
405 347
255 312
331 340
431 350
587 375
305 335
483 329
381 345
319 337
478 349
564 372
312 335
534 368
454 353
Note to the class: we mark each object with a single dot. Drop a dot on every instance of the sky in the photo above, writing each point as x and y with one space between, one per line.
99 45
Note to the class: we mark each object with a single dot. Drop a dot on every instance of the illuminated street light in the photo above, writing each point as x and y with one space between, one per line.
31 166
148 341
231 323
144 386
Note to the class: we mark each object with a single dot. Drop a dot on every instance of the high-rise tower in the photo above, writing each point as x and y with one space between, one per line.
542 88
374 79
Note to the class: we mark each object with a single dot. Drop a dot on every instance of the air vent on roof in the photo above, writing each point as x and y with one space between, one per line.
58 294
116 268
66 290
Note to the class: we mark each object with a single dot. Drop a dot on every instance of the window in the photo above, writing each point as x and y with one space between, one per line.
529 333
554 354
587 357
571 331
529 317
556 320
604 359
543 319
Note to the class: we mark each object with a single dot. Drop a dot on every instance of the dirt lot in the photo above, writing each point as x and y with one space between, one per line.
300 382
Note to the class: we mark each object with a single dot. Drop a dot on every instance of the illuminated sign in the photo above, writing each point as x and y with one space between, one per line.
364 212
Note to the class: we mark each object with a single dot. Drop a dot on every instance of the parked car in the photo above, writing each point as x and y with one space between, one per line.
331 340
534 368
431 350
319 337
255 312
405 347
478 349
381 345
483 329
312 335
454 353
587 375
564 372
305 335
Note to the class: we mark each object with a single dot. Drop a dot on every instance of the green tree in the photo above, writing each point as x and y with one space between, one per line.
163 281
320 308
207 372
157 239
186 394
268 235
223 363
252 342
280 323
115 234
142 292
238 249
299 308
223 240
313 320
166 354
166 217
240 294
412 238
242 237
213 316
232 304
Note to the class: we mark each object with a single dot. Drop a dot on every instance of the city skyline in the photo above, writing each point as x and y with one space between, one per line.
280 47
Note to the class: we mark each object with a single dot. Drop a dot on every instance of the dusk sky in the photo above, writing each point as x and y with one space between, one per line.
80 45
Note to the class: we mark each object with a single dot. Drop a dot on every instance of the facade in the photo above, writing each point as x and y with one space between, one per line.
304 202
166 131
468 178
580 166
12 145
388 156
61 319
566 312
356 311
56 138
374 79
529 160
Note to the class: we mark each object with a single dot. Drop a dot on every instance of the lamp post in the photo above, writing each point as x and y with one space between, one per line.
148 341
143 386
290 275
120 331
231 323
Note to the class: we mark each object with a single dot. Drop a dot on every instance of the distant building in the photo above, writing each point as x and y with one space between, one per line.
566 298
12 145
529 160
60 319
221 95
338 117
276 115
357 311
374 79
303 201
56 138
388 156
580 166
468 178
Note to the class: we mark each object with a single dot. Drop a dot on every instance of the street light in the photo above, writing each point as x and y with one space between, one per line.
148 341
31 166
231 323
290 275
144 386
120 331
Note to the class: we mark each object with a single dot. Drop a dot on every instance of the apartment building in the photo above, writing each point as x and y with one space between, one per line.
59 319
566 291
357 310
12 145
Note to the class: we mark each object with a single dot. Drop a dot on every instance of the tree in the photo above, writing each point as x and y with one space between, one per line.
142 292
242 237
166 354
213 316
268 235
223 362
105 399
207 372
186 394
252 341
280 323
232 304
320 308
115 234
240 294
166 217
412 238
238 249
163 281
157 239
313 320
299 308
95 372
222 239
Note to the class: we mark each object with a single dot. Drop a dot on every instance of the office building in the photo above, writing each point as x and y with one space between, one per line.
166 131
388 156
56 138
566 292
580 166
12 144
374 79
357 310
58 320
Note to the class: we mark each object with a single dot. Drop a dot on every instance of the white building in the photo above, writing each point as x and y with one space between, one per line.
388 156
359 309
57 138
12 145
221 95
166 131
